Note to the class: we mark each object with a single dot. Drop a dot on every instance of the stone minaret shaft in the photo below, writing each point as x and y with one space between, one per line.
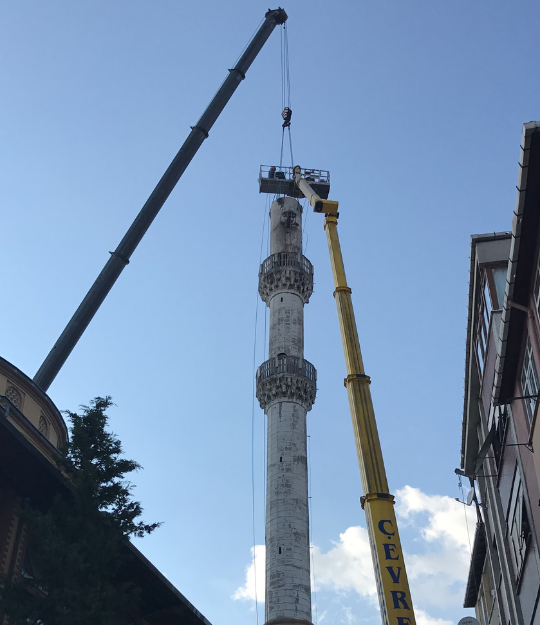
286 386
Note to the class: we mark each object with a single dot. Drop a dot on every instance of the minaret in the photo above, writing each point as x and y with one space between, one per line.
286 387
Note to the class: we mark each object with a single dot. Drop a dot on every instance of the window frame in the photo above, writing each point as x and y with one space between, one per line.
528 378
519 525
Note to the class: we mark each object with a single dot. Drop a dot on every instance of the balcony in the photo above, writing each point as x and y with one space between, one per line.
286 259
290 365
286 379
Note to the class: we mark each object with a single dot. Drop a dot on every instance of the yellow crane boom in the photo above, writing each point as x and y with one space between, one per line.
378 504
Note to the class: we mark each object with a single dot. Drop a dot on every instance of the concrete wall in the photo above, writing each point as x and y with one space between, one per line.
288 590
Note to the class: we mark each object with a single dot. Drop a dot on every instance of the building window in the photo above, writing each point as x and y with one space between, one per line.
44 426
487 593
498 419
498 286
483 314
537 289
14 396
519 526
529 380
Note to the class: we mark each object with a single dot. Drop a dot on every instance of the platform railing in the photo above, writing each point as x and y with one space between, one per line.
286 364
319 176
286 259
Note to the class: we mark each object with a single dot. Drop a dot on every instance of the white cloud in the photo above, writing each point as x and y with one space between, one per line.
348 615
422 618
255 573
438 569
437 559
446 516
347 566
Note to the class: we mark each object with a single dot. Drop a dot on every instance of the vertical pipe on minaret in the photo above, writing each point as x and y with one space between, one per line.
286 387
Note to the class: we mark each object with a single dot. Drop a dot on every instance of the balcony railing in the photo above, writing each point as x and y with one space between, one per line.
287 365
286 259
280 181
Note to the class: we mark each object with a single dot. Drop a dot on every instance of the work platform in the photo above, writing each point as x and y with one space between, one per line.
280 181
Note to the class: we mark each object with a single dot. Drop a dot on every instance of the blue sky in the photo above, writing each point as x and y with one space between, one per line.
415 107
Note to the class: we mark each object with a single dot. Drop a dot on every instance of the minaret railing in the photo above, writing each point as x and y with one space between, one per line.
286 259
287 365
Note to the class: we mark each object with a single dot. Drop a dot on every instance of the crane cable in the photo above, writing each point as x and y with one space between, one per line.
285 94
287 114
265 231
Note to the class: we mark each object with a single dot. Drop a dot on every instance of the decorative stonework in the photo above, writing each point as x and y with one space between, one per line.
44 426
286 379
7 547
286 271
14 396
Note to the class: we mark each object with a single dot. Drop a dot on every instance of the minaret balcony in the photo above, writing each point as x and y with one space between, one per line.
286 271
286 378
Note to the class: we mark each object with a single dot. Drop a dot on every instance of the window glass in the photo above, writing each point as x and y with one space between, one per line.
499 278
518 524
537 288
480 359
487 584
529 380
500 421
487 301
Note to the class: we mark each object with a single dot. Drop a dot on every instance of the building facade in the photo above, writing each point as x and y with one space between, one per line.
31 432
500 452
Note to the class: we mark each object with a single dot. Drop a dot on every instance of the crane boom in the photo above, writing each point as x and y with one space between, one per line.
120 257
377 502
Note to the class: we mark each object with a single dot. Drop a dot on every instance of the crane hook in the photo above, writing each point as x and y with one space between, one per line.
286 114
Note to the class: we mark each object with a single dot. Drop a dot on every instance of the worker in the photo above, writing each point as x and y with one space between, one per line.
272 172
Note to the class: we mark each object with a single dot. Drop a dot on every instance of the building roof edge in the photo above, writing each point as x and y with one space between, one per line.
511 315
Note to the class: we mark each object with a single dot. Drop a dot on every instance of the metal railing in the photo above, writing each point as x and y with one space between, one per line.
287 364
286 259
319 176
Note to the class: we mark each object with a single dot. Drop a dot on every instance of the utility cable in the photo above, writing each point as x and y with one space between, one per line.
286 100
305 234
249 40
253 462
467 526
465 511
310 512
253 419
266 355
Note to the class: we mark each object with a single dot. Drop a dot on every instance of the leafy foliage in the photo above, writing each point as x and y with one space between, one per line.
76 548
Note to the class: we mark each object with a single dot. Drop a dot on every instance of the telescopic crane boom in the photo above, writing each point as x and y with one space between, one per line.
377 502
120 257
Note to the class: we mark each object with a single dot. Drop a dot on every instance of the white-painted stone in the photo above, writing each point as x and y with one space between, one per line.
288 591
286 325
286 226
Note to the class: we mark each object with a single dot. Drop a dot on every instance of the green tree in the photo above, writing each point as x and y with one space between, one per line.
76 548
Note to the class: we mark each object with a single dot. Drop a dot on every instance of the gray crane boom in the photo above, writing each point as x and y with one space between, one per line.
120 257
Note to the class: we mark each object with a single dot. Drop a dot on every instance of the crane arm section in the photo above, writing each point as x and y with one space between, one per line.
377 502
120 257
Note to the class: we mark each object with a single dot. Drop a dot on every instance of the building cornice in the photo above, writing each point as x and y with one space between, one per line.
471 382
521 269
29 386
